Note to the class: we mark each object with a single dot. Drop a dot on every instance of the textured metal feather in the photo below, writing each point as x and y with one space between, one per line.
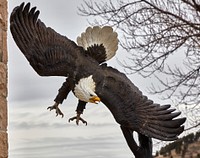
49 53
97 36
133 110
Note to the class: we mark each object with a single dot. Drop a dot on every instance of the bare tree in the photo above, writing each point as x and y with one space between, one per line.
154 32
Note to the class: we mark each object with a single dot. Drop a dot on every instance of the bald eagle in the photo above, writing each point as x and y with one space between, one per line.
91 80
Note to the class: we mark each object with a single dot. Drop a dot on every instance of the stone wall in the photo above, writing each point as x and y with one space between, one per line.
3 80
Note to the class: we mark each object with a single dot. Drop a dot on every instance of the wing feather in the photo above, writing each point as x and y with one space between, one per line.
132 109
49 53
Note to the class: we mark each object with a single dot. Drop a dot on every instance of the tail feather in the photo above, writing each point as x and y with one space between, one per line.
88 37
93 38
95 33
109 40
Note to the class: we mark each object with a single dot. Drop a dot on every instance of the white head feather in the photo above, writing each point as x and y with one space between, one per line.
85 89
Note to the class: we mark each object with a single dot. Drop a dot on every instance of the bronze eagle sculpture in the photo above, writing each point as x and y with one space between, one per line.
91 80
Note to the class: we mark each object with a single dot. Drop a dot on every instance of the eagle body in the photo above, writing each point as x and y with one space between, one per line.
91 80
116 85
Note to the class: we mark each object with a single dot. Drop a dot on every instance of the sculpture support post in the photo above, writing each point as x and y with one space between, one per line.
3 80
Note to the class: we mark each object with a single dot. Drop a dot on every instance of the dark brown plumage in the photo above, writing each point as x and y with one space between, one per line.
51 54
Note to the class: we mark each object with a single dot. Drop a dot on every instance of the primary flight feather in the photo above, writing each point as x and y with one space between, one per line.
51 54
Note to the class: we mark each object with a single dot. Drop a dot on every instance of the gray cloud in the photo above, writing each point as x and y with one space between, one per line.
44 125
63 147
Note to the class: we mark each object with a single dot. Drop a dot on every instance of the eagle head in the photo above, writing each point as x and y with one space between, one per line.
85 90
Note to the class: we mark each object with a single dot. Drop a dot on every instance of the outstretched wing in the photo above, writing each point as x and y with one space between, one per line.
48 52
135 111
158 121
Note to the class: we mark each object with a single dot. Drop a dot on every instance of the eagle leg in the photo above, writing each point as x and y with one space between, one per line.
80 108
58 111
78 118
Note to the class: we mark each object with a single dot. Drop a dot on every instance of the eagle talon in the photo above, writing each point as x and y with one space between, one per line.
58 111
78 118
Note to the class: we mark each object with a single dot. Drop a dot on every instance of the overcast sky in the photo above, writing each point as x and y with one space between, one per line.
35 132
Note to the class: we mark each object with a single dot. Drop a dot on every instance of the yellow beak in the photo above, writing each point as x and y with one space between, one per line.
95 100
